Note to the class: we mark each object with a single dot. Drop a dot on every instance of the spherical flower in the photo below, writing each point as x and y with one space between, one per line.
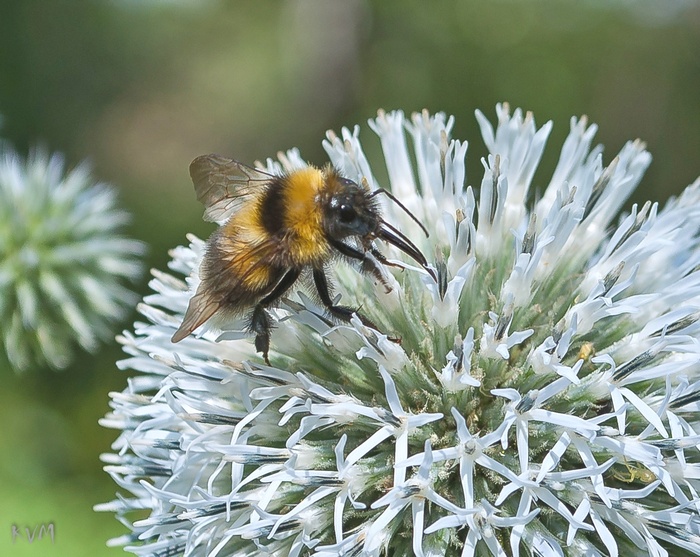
540 398
63 261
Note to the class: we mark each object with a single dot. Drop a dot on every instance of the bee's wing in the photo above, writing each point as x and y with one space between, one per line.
224 185
236 293
202 306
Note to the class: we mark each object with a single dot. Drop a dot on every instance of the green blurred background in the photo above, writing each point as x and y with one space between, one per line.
141 87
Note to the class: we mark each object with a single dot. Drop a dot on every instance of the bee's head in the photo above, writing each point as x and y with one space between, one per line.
348 209
352 210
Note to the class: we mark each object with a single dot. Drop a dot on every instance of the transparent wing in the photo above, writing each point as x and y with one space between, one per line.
239 291
224 185
201 307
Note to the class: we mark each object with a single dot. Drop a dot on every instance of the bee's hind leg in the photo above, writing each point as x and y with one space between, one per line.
261 325
260 320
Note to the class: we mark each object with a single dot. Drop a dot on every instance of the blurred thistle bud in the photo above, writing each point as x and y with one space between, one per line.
63 260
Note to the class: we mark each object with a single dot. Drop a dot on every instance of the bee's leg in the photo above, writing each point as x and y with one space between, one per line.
261 324
383 260
341 312
369 265
260 321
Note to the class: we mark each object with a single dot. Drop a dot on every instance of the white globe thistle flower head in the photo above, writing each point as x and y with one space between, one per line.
540 398
64 261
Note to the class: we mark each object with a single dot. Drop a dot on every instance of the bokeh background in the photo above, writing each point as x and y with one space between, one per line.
140 87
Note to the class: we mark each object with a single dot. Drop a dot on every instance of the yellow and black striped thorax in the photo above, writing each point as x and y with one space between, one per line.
290 211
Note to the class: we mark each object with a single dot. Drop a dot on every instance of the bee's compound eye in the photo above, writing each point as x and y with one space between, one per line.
347 213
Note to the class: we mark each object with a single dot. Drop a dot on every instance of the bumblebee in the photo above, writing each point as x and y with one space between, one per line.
276 227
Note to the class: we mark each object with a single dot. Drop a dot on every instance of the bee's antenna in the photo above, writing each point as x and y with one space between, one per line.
390 196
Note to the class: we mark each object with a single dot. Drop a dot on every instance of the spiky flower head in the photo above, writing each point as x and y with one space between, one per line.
63 260
542 398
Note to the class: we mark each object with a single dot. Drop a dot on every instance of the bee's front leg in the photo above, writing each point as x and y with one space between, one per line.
369 261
